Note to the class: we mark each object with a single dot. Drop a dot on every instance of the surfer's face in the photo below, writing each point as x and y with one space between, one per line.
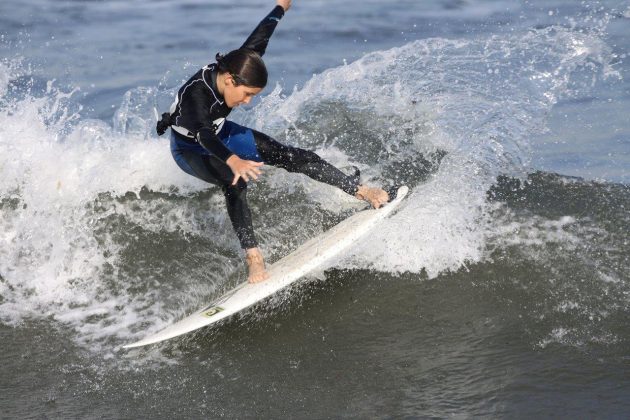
238 95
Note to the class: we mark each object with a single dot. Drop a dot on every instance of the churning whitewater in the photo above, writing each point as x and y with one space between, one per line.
445 117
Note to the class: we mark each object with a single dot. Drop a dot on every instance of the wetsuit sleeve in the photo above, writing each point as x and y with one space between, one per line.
259 39
199 114
211 142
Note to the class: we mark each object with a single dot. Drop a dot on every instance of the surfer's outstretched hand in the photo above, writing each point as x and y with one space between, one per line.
284 3
241 168
375 196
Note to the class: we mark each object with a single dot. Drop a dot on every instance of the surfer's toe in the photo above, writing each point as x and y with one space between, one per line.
257 278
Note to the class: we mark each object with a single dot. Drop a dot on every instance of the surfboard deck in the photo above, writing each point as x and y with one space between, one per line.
310 255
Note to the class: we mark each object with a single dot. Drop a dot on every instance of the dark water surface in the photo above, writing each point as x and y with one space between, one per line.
499 290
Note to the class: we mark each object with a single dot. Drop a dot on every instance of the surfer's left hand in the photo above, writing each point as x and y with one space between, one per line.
375 196
242 168
285 4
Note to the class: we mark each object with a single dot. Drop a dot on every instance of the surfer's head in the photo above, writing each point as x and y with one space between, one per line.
242 75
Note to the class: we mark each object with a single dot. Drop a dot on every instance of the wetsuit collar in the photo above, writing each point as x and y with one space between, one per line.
213 78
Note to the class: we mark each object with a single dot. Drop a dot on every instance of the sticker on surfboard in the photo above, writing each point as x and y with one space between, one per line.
211 311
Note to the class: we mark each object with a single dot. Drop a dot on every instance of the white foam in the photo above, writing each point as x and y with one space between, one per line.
4 79
426 96
434 95
51 260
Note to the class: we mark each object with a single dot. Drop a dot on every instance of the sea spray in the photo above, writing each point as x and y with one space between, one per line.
104 234
475 101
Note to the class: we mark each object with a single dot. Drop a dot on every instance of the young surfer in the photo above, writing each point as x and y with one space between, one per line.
207 146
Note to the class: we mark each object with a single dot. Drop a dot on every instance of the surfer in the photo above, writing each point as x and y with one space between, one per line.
207 146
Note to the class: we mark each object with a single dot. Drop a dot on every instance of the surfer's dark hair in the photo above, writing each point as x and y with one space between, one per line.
245 66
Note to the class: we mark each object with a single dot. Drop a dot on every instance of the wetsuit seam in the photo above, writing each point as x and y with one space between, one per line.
181 99
210 87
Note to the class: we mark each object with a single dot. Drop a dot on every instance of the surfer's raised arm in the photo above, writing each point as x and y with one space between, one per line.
259 38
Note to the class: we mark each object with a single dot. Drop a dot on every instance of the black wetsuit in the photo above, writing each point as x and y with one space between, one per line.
202 140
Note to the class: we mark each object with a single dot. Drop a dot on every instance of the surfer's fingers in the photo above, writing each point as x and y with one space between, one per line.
235 180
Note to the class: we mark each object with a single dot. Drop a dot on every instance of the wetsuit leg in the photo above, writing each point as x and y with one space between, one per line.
213 170
241 217
303 161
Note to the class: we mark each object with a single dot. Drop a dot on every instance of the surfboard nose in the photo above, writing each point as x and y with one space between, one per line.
394 191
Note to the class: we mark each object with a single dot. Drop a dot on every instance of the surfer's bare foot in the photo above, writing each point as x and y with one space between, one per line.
375 196
255 266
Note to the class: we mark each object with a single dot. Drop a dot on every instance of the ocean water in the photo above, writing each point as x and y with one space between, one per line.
501 289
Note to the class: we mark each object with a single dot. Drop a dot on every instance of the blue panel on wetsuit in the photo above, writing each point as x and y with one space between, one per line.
240 141
178 146
180 143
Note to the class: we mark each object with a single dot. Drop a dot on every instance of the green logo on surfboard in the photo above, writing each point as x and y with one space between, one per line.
212 311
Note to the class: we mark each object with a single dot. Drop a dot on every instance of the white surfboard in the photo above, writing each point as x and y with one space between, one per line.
294 266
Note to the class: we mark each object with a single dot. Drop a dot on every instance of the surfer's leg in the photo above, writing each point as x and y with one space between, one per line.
240 215
253 145
238 210
309 163
214 171
235 197
303 161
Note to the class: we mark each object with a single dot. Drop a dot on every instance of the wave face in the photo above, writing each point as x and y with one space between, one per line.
102 233
445 117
